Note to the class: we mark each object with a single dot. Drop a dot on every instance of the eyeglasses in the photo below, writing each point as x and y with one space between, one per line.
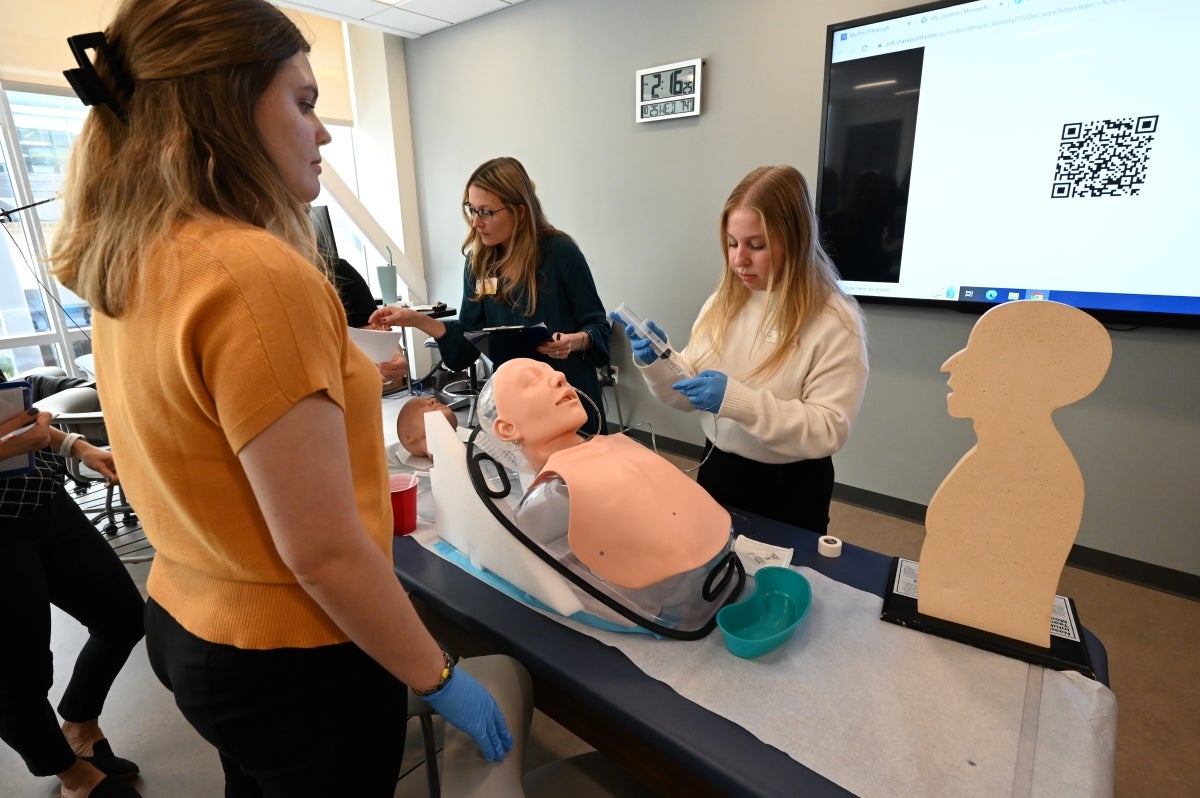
484 214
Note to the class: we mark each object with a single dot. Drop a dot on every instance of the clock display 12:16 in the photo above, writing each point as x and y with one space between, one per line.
669 83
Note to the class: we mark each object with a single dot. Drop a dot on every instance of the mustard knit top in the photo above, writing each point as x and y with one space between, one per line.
233 328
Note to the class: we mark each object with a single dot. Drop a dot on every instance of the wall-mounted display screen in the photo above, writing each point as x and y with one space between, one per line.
982 152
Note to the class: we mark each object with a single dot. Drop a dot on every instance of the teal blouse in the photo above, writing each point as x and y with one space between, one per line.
567 303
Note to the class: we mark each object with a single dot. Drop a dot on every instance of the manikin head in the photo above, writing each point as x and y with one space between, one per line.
536 408
1027 355
410 424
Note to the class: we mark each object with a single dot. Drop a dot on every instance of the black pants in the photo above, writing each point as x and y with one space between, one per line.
287 722
795 493
56 556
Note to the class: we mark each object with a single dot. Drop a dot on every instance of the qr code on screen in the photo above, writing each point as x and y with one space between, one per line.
1106 158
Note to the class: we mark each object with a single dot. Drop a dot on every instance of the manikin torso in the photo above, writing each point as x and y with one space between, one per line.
635 519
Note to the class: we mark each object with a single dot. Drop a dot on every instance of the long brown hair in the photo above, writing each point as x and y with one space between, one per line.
508 180
804 284
187 147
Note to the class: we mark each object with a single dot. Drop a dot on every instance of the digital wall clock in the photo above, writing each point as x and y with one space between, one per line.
667 92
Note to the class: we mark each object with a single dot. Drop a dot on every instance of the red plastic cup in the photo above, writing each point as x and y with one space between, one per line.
404 503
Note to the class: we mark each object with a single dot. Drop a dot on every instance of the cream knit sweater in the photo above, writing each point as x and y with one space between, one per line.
801 412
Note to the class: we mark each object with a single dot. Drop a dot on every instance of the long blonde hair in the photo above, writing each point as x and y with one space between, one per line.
507 179
186 148
801 289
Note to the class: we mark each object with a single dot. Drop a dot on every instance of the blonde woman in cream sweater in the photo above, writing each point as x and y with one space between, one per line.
779 357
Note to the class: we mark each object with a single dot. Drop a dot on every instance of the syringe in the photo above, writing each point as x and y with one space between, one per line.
660 345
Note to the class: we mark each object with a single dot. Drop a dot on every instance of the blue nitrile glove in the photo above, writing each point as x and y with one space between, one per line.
467 705
705 391
643 350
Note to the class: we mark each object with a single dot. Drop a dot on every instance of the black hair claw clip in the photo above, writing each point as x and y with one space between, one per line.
86 81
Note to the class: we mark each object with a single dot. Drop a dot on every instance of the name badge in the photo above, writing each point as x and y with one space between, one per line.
487 287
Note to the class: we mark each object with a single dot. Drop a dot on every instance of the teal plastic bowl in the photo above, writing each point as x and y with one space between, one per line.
764 621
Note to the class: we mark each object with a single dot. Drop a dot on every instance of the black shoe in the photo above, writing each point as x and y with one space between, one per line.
108 763
109 787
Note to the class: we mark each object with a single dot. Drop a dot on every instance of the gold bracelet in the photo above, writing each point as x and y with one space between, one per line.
447 672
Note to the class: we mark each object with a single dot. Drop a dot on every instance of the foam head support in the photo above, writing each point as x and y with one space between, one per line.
466 524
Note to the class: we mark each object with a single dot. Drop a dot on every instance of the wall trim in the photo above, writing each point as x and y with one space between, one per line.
1127 569
880 503
1115 566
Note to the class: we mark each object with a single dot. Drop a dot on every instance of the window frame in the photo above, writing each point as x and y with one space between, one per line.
64 341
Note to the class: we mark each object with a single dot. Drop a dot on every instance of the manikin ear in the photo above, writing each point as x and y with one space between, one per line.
505 430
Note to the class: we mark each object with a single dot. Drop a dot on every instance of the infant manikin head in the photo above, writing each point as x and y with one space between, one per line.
536 408
410 423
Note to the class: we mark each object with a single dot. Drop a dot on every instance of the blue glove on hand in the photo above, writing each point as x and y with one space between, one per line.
467 705
705 391
643 350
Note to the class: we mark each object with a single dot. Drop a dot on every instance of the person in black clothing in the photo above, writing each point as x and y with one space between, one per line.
359 304
354 292
51 554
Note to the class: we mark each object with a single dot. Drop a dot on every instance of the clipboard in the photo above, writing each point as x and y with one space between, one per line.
15 397
501 344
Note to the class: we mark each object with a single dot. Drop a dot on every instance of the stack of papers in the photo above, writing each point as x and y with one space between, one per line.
379 345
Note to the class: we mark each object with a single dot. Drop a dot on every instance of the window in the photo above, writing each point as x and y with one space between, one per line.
353 246
41 323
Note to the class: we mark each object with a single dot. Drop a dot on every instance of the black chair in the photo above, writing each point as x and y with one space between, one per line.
77 410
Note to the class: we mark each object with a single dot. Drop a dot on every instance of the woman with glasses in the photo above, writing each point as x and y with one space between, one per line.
520 270
779 356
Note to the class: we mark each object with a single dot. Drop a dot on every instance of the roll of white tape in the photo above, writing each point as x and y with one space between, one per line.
829 546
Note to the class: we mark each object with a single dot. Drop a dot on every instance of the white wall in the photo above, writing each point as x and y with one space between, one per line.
551 82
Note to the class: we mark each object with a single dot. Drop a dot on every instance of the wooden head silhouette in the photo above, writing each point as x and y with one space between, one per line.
1000 526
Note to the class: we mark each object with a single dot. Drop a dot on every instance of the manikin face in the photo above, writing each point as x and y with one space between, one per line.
746 249
410 425
971 378
534 403
499 231
287 123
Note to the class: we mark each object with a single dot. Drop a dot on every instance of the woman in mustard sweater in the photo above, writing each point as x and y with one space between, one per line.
247 424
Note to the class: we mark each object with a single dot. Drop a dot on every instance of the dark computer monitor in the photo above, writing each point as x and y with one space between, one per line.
324 227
